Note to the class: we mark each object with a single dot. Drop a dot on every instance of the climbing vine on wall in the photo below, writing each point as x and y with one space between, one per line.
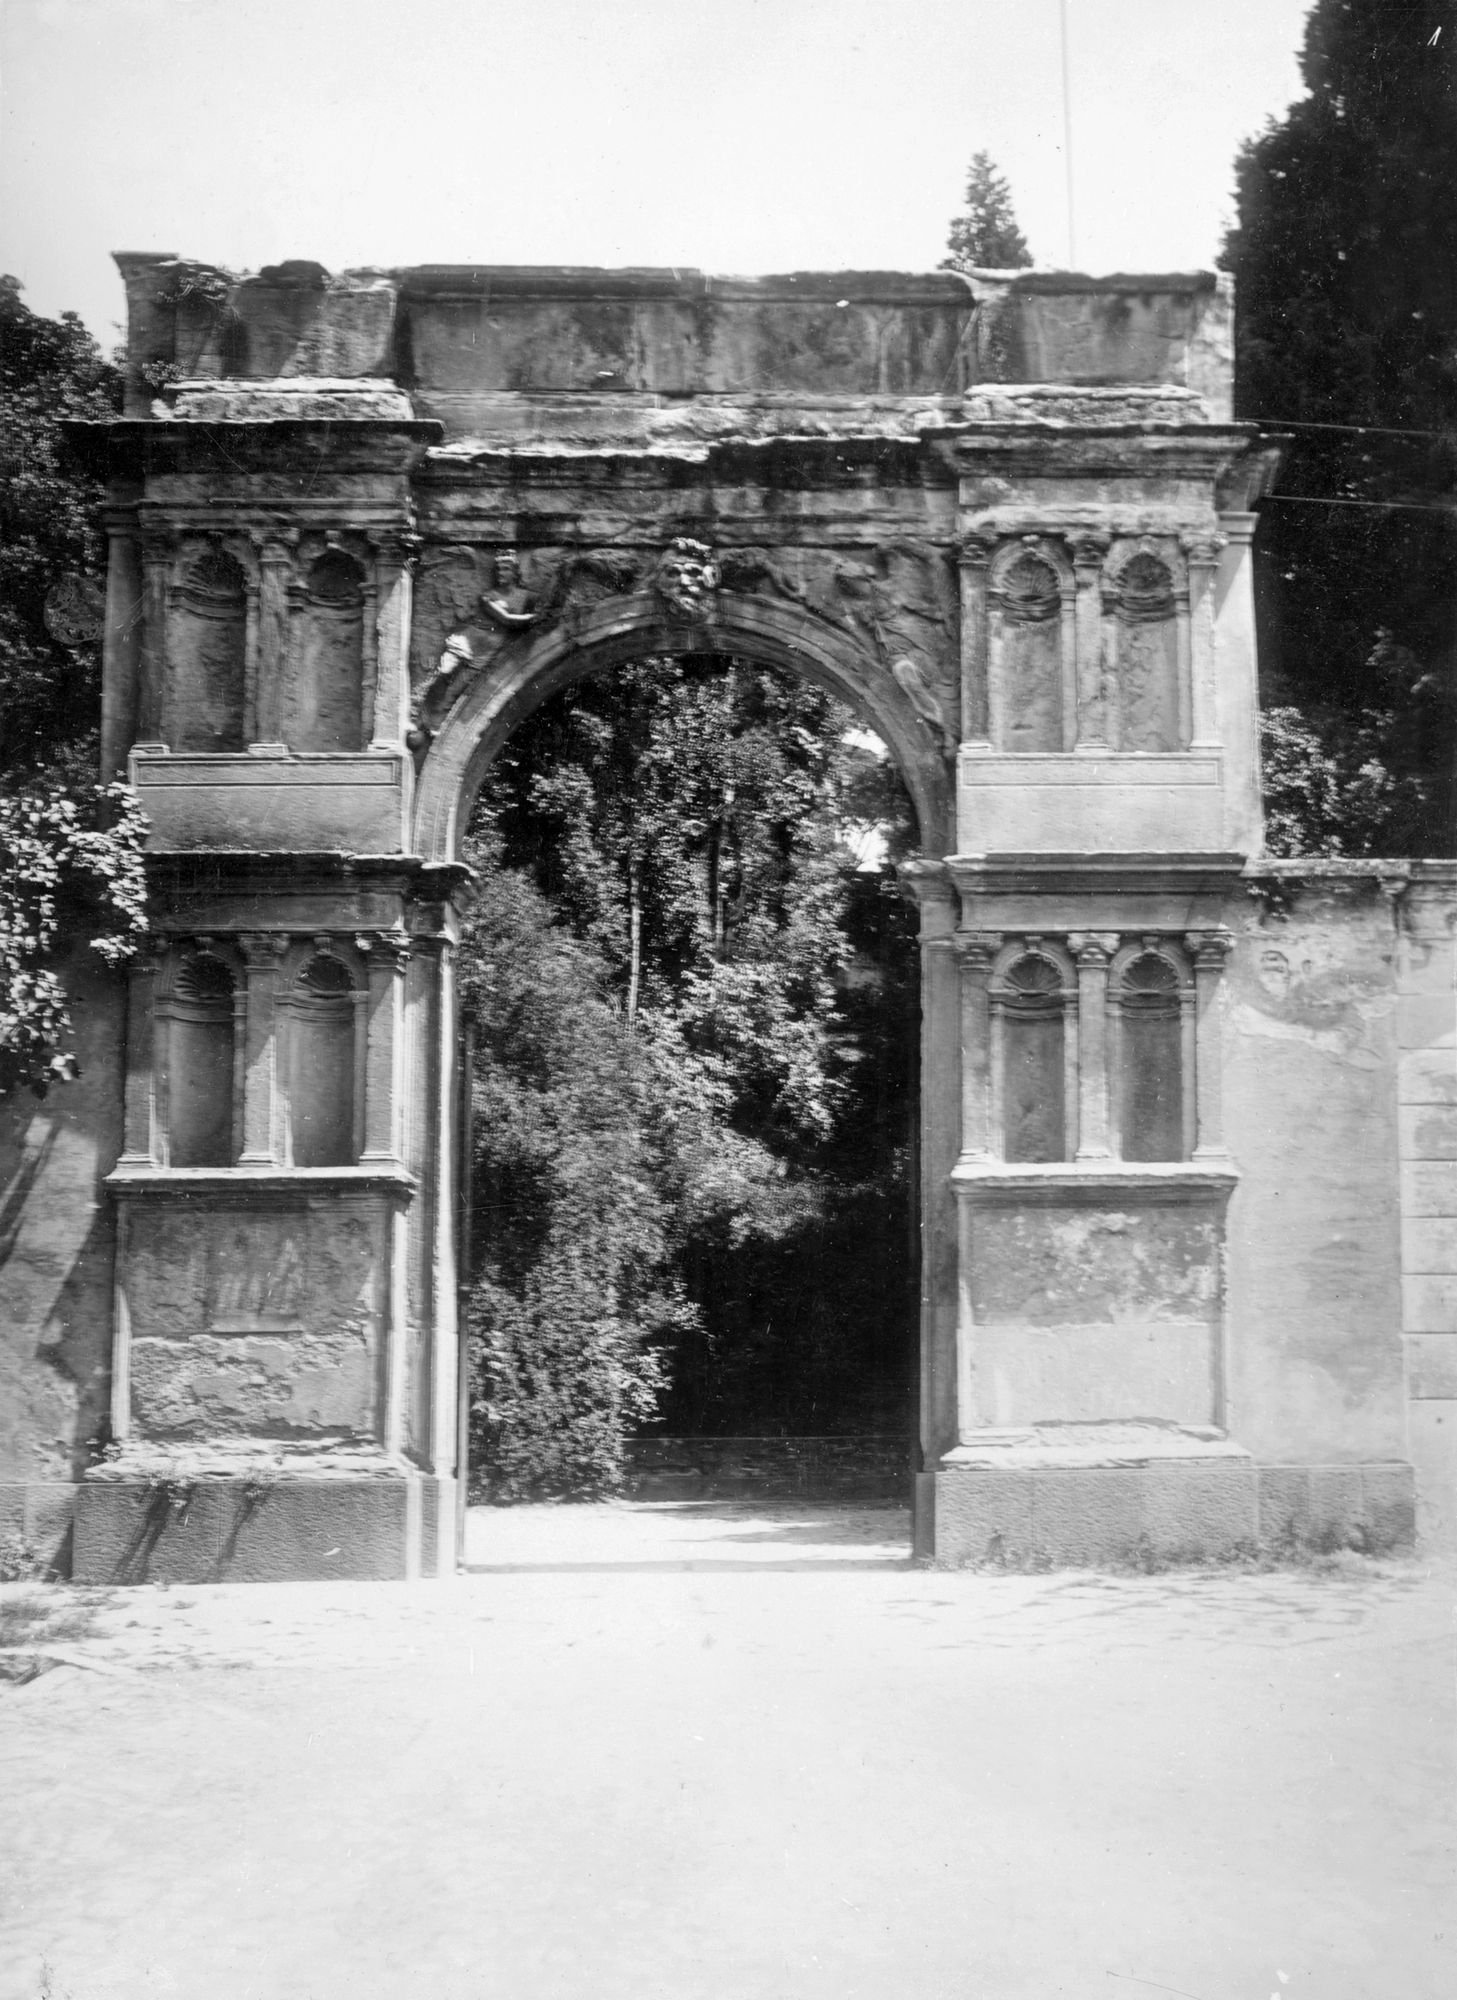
65 862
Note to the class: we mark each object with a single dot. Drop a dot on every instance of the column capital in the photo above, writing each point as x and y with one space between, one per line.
387 948
1203 547
1088 547
1209 949
975 551
977 949
1092 948
263 950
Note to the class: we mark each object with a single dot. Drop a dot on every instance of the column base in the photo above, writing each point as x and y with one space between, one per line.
248 1514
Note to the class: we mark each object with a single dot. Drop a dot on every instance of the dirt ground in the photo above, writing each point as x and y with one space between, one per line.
699 1751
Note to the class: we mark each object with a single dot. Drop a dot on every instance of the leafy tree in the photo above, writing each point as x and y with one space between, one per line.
985 236
715 1031
70 852
50 530
1345 257
575 1293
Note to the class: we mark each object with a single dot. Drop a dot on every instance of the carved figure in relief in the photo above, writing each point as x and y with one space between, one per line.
929 706
509 604
687 579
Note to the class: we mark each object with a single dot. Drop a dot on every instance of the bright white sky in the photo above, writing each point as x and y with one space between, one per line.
735 135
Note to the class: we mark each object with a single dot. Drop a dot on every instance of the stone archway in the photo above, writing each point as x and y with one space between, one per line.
926 494
486 710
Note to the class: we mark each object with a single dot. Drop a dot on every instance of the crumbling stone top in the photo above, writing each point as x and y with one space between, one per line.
457 338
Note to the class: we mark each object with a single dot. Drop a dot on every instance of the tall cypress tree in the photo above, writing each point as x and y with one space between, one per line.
985 236
1345 257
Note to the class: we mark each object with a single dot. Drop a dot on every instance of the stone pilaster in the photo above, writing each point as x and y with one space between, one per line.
262 955
152 720
122 642
975 951
1208 950
141 1139
1203 552
268 659
386 955
974 555
394 563
1088 552
1092 952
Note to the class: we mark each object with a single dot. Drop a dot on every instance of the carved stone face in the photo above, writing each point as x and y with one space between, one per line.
507 570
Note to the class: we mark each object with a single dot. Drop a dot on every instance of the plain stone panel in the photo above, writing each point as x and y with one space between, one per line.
1429 1187
128 1532
1335 1504
1431 1365
1429 1305
1427 966
313 1529
1428 1131
1388 1506
1284 1504
1429 1245
1427 1076
1432 1442
1426 1021
984 1517
1087 1514
1200 1513
12 1512
50 1514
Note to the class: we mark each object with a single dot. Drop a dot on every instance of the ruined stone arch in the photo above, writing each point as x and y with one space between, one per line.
610 635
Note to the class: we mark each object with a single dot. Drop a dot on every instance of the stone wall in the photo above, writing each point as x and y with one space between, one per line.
56 1253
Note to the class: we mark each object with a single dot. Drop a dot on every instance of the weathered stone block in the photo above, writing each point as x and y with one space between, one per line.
1428 1131
1283 1493
244 1530
1431 1366
1429 1187
1336 1519
1088 1514
1429 1245
984 1519
252 801
1429 1304
923 1517
1432 1442
1200 1512
1428 965
1388 1506
1427 1076
50 1513
1426 1021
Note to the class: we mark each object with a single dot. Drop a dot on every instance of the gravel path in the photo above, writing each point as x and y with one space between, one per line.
702 1751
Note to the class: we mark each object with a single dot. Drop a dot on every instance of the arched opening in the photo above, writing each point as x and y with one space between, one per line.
201 1063
321 1058
696 1084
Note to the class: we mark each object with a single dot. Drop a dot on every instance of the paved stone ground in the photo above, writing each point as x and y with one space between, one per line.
705 1751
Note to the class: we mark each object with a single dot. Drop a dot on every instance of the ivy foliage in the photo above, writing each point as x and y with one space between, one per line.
1345 259
60 868
70 851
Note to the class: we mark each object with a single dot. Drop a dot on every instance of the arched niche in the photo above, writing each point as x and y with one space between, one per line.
325 698
200 1021
1033 995
208 652
1151 996
614 633
1149 703
321 1060
1031 653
